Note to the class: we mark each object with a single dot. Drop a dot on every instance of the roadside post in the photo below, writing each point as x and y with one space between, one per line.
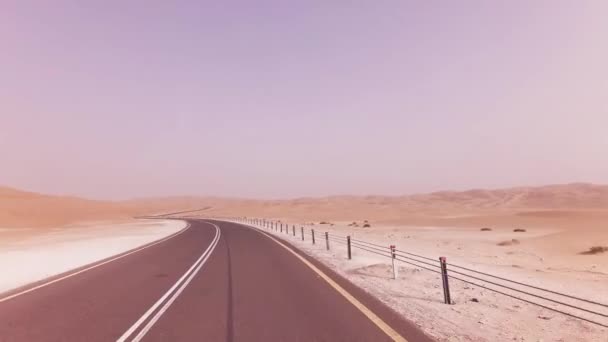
312 231
348 247
302 229
444 277
393 256
327 240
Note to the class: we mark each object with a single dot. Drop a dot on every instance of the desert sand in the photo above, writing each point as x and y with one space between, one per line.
471 228
477 314
569 205
35 255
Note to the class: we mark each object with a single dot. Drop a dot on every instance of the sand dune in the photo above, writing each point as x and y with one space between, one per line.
561 223
19 208
561 205
29 209
523 205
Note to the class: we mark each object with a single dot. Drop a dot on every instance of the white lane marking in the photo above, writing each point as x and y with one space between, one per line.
201 260
160 312
91 267
387 329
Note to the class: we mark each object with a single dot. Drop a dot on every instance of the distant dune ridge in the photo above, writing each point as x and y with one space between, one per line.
20 208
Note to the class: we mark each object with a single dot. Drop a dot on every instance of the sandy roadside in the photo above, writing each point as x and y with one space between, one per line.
28 254
478 314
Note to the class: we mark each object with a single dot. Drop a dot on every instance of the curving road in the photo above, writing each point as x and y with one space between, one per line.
214 281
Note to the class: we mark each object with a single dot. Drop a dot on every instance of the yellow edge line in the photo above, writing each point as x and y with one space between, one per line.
367 312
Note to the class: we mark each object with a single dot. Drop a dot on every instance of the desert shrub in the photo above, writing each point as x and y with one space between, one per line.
324 222
508 242
519 230
595 250
367 225
486 229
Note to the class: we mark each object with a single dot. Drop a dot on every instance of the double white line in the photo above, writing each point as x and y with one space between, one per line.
159 308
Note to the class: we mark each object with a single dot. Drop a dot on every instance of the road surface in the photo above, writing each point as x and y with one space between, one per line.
213 281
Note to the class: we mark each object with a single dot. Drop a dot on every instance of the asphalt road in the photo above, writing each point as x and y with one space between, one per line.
214 281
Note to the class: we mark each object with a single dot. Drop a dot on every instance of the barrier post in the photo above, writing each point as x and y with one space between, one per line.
327 240
348 247
294 230
281 227
444 277
302 229
312 231
393 256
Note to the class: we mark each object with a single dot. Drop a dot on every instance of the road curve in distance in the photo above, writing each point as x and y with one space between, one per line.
253 289
216 281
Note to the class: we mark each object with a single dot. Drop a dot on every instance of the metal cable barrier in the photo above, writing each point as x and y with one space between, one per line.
530 286
551 300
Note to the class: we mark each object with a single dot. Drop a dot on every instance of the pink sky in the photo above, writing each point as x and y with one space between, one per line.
118 99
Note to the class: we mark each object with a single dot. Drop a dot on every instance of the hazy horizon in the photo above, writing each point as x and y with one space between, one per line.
296 197
120 100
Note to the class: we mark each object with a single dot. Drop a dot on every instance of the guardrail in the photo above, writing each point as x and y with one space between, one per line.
544 298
